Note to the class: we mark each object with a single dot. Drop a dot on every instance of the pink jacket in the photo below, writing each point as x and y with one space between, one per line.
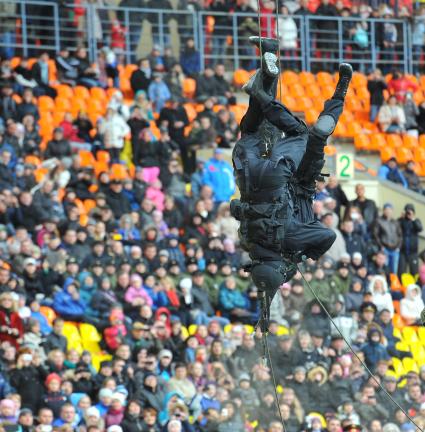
134 293
156 196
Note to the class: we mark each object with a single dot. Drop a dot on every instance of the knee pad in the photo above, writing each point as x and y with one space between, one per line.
324 126
270 275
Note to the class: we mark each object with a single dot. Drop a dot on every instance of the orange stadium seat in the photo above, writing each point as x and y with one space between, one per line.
403 155
296 90
98 93
48 313
340 130
361 142
240 77
190 111
410 141
45 103
304 103
313 91
362 93
129 69
418 96
189 88
118 172
377 141
289 78
387 153
330 150
81 92
394 141
58 117
62 104
290 102
353 104
311 115
103 156
65 91
327 91
353 129
14 62
307 79
325 79
89 205
77 105
419 154
359 80
86 158
422 141
95 106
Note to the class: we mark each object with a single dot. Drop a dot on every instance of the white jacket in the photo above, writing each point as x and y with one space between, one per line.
381 300
288 33
411 307
114 130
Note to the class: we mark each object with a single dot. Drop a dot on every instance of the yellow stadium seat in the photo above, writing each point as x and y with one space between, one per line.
91 347
421 335
410 365
249 328
70 330
192 329
185 333
397 333
407 279
409 335
228 328
282 330
398 367
99 358
89 332
402 346
418 352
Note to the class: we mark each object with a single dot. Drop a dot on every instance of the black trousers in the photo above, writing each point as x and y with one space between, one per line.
408 261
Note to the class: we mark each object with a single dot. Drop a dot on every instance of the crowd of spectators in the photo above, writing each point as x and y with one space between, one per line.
158 254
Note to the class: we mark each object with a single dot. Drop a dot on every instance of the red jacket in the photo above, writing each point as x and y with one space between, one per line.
8 322
400 86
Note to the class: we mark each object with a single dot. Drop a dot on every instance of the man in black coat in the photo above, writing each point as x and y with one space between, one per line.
410 228
27 106
56 339
58 147
366 206
141 77
117 200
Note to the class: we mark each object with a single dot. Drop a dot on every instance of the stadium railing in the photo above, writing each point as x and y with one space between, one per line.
41 25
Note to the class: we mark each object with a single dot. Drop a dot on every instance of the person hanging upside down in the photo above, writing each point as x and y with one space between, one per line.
275 160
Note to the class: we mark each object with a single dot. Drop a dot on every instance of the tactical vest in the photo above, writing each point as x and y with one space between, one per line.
264 207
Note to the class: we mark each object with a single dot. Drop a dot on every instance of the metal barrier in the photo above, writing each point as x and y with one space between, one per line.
28 27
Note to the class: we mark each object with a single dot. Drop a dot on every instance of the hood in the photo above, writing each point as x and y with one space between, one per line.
410 289
372 282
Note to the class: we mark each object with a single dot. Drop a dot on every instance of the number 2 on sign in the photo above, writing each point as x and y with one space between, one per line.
345 162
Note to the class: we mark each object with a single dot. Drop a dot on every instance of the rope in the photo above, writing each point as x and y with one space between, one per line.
259 33
278 51
263 322
356 355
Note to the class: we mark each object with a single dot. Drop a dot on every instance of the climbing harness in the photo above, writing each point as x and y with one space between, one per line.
350 347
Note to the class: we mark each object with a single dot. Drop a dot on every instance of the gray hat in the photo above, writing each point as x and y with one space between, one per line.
300 369
244 377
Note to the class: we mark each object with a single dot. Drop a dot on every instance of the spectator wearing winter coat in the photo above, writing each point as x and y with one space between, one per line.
181 384
388 236
115 413
117 199
410 229
245 392
218 174
11 324
136 295
190 59
382 299
232 421
54 398
412 179
391 117
113 129
56 340
206 86
353 241
158 92
411 305
368 408
27 107
373 349
411 111
288 34
391 172
141 77
399 85
152 394
376 85
67 303
231 302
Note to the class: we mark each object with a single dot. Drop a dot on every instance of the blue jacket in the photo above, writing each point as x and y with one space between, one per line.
394 175
44 325
5 387
373 352
64 304
230 299
219 176
158 93
190 62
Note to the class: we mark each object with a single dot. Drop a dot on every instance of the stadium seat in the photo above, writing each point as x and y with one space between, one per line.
103 156
418 352
95 106
289 78
308 80
397 333
403 155
398 367
189 88
359 80
418 154
409 335
304 103
192 329
240 77
296 90
48 313
421 335
290 102
329 150
353 129
65 91
58 117
118 172
377 142
86 158
407 279
410 365
89 332
325 79
398 321
190 111
89 205
340 130
32 160
81 92
394 141
313 91
46 103
327 91
311 116
99 358
361 142
98 93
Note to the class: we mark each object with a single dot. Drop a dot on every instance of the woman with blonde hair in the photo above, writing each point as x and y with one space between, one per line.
288 397
11 324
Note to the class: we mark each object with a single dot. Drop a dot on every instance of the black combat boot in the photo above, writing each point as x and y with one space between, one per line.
345 75
267 44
